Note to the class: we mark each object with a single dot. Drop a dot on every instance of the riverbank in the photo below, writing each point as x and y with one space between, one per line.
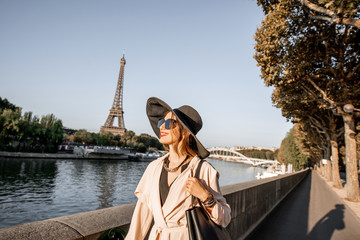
62 156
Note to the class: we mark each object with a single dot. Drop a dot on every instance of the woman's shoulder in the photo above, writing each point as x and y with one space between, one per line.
207 168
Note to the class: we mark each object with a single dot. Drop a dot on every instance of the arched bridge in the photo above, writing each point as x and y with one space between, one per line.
233 156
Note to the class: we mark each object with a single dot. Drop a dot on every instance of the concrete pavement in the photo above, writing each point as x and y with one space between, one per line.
311 211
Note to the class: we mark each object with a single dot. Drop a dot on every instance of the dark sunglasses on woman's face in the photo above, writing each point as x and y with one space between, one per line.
168 123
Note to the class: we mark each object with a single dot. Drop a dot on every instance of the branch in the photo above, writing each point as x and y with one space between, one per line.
353 71
308 91
340 132
325 97
317 17
312 94
330 16
317 8
319 128
317 124
349 21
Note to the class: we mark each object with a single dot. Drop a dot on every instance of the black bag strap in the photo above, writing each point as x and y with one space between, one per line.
197 173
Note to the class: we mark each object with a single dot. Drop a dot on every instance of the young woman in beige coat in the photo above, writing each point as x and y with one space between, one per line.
165 189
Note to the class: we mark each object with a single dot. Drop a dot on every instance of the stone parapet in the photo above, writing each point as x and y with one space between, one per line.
250 203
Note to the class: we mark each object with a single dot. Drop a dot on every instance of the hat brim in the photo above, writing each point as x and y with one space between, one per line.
156 110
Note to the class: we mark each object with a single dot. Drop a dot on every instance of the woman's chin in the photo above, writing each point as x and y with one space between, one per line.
166 141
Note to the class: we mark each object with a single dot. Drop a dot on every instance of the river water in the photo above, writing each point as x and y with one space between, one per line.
38 189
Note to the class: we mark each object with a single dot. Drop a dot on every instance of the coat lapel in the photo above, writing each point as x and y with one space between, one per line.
155 195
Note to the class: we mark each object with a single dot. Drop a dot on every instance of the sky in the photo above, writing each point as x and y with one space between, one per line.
63 57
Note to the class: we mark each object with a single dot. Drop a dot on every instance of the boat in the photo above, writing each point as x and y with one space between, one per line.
270 172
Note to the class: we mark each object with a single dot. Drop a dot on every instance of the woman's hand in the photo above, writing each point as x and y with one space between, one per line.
196 188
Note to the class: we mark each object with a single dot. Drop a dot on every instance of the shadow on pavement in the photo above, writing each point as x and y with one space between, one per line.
325 227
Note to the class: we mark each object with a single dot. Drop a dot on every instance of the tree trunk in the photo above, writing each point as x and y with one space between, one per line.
321 168
352 178
326 166
335 164
329 171
334 154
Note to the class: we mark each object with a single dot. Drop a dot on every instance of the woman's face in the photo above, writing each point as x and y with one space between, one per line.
169 136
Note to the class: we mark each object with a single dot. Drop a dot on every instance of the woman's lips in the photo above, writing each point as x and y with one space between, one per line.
163 134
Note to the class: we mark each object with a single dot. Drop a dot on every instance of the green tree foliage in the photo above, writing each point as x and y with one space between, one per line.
84 137
309 142
262 154
9 129
289 152
142 143
27 132
5 104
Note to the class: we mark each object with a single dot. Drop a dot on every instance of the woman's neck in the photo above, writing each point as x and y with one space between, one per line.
174 156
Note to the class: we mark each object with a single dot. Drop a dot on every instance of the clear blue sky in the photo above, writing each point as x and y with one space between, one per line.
63 57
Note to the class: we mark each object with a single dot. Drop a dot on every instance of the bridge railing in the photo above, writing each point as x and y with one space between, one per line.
231 155
250 203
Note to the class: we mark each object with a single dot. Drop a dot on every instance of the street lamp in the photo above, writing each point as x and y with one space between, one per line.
349 108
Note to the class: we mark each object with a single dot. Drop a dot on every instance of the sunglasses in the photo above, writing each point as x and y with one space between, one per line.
168 123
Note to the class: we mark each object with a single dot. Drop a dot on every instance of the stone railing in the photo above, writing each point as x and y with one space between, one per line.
250 203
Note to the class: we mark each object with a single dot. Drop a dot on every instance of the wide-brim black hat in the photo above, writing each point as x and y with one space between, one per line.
187 116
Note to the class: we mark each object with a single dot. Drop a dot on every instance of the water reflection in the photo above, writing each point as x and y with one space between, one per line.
33 189
26 188
106 175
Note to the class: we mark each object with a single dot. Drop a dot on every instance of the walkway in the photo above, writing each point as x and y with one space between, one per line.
311 211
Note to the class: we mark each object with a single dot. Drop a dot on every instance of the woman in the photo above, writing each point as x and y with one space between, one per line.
164 191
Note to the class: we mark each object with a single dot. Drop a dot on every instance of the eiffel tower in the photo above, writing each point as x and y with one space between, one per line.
117 107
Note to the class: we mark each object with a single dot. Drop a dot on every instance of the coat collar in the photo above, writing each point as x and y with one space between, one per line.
177 192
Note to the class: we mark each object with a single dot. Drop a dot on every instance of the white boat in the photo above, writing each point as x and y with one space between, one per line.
270 172
266 175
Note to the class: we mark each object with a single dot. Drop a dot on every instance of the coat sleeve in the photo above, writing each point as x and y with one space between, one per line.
142 216
221 212
140 222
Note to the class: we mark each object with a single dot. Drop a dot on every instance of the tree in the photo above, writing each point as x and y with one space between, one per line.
83 136
290 152
51 133
340 12
297 106
318 58
5 104
334 12
104 138
9 128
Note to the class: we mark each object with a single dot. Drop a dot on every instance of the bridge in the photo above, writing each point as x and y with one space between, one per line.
233 156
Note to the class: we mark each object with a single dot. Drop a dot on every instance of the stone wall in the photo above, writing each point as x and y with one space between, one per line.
250 203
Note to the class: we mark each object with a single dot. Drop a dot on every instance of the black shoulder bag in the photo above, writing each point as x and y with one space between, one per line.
200 225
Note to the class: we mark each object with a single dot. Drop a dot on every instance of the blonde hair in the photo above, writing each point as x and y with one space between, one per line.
186 143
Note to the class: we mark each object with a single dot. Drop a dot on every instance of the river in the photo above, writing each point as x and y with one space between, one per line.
38 189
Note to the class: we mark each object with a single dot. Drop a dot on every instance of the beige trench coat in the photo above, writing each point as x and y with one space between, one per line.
170 220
